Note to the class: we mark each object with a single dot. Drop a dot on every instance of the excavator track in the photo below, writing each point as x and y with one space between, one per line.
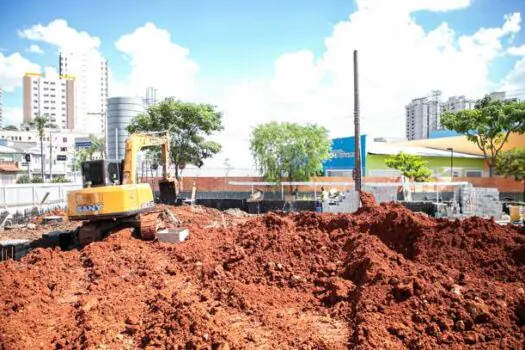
89 232
149 225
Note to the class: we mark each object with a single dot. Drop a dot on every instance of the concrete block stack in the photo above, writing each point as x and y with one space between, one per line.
347 204
382 194
482 202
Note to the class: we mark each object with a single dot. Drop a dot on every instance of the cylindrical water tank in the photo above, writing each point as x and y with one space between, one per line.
121 111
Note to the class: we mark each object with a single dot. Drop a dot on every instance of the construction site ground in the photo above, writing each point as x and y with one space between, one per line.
381 278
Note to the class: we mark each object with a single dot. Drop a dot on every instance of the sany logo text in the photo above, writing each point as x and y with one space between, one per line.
88 208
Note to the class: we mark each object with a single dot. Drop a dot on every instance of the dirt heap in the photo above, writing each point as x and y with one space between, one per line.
383 277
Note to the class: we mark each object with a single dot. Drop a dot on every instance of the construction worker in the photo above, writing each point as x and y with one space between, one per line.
324 194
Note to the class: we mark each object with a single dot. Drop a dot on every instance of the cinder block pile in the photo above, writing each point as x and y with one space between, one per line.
348 204
382 194
482 202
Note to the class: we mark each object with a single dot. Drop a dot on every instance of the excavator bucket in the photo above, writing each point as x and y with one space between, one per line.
168 191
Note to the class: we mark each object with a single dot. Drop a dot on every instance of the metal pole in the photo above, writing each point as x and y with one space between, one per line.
451 163
50 156
357 146
116 144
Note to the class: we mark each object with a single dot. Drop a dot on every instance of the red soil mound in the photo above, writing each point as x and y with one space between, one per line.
376 279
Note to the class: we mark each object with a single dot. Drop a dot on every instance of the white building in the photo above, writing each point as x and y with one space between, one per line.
91 72
51 95
59 149
420 118
457 103
423 115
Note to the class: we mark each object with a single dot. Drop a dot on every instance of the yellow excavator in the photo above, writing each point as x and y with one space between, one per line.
112 198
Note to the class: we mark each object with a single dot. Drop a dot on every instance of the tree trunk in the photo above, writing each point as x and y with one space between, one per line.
491 168
42 157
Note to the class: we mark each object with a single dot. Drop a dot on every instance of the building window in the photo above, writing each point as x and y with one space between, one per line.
473 173
63 149
64 139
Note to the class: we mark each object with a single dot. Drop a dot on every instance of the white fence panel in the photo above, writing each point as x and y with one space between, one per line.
34 194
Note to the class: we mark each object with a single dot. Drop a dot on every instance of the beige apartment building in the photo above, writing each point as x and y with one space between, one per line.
50 95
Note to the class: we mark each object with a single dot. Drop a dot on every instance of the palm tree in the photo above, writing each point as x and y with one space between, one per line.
98 145
41 123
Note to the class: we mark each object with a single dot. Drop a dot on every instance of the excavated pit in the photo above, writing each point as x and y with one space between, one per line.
383 277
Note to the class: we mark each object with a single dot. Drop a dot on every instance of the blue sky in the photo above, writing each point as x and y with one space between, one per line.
238 44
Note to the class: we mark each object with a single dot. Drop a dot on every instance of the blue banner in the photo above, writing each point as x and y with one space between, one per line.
342 154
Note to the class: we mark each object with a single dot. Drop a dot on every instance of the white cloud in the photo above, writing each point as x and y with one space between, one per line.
515 79
12 116
516 50
398 61
33 48
60 34
155 61
13 68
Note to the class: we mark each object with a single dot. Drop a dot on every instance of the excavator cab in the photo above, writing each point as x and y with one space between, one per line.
103 172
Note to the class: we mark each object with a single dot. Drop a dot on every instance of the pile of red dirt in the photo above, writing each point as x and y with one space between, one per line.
383 277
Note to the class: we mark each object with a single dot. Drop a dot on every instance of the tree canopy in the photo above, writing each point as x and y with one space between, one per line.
98 146
488 125
289 150
511 164
188 124
410 166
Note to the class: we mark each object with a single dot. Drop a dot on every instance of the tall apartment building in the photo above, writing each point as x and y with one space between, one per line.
422 117
91 72
457 103
49 95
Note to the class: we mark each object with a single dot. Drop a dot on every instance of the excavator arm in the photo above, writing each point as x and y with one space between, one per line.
135 143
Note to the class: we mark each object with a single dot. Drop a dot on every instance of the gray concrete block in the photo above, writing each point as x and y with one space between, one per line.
173 235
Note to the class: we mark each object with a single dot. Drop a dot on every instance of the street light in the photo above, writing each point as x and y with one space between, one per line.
451 162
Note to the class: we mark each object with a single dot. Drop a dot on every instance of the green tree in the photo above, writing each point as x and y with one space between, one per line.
80 156
41 123
488 125
511 164
11 128
188 124
98 146
289 150
412 167
60 179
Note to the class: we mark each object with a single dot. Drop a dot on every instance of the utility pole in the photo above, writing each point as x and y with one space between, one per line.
357 136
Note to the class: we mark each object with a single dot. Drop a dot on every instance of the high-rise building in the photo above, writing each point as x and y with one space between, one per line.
49 95
422 117
1 109
91 72
457 103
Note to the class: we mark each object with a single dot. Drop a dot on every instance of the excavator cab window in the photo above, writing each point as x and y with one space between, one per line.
93 173
101 172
